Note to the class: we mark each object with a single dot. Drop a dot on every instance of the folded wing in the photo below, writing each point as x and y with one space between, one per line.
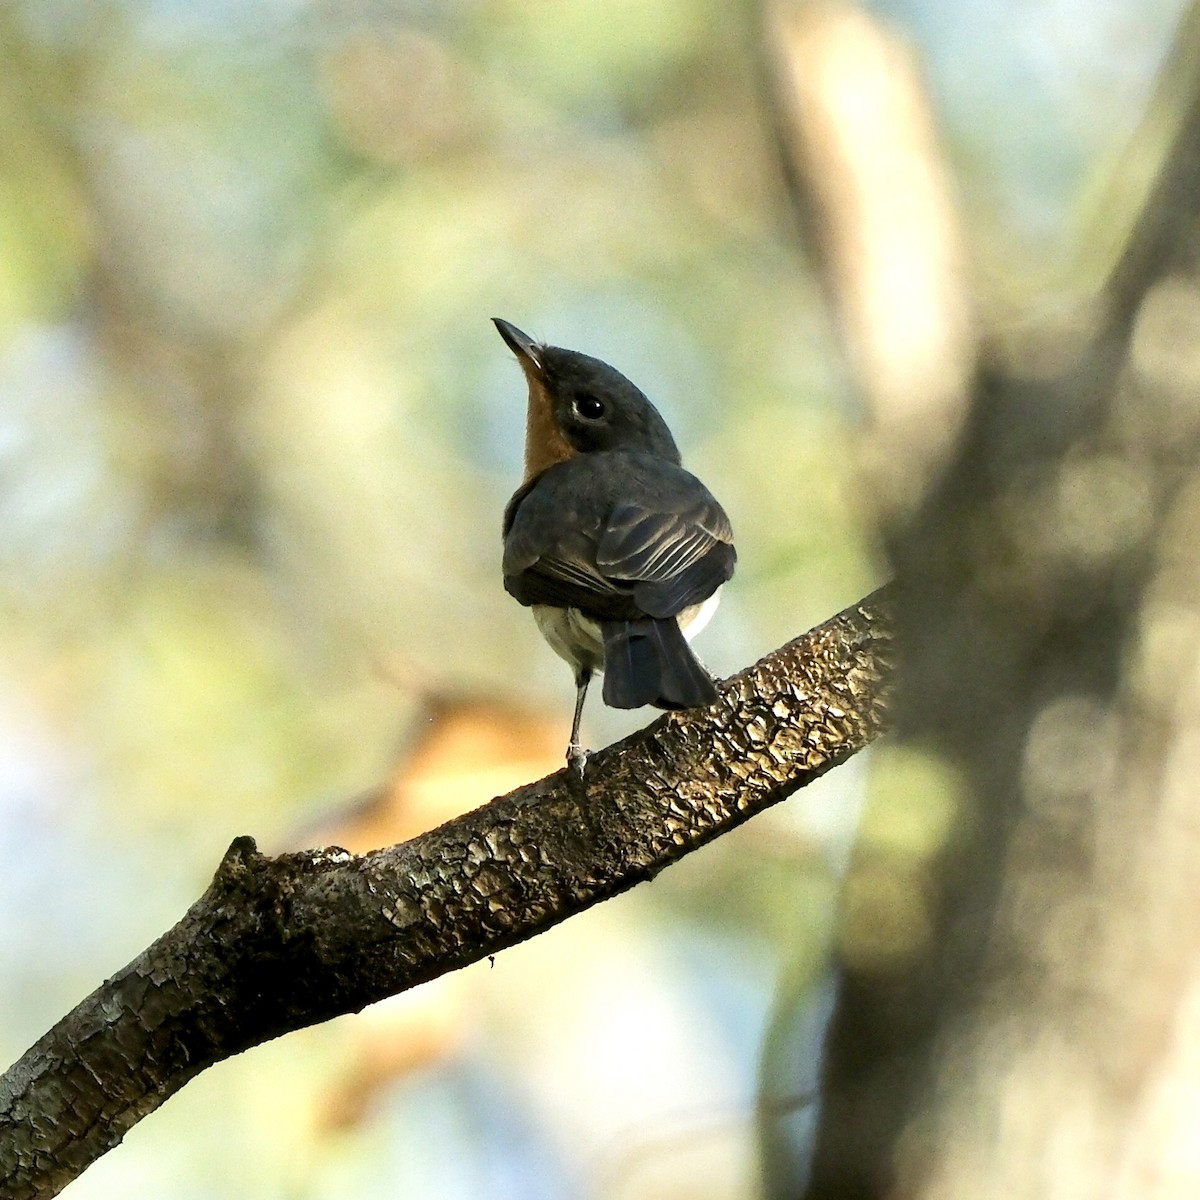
575 539
671 559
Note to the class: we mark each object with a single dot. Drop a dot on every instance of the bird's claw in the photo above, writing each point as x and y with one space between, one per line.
577 758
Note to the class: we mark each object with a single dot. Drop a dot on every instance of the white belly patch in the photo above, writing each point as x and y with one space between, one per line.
576 638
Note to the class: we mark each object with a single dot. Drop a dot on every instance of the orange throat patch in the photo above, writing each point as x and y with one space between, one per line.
545 444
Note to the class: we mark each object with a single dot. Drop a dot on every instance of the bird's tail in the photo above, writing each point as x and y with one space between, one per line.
648 661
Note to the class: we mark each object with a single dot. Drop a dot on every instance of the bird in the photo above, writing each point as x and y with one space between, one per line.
620 552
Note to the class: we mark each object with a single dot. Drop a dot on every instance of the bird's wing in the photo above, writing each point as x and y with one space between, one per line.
570 542
550 553
569 583
672 557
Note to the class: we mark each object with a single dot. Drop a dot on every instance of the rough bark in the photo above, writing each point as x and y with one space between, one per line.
276 944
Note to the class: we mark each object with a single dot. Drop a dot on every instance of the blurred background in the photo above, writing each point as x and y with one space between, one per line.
256 434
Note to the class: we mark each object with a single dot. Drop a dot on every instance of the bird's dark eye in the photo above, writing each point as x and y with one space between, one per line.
589 407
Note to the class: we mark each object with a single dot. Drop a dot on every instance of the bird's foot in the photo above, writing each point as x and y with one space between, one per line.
577 758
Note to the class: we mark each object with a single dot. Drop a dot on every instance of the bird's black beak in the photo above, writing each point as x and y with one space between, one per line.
528 352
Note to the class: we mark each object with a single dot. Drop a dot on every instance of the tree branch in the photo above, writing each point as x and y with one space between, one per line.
276 944
1161 237
876 203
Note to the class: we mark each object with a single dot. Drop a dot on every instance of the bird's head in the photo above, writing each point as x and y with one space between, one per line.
579 405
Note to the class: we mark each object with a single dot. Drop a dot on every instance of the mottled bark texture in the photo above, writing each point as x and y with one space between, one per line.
276 944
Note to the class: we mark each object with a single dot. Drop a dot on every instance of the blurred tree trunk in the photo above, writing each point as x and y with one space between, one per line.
1043 1039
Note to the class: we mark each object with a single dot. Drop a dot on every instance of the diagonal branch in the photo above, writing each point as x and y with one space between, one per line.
276 944
1161 236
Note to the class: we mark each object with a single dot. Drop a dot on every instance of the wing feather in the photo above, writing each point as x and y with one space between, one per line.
570 543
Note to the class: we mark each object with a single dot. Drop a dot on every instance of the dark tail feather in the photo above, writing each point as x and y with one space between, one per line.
649 662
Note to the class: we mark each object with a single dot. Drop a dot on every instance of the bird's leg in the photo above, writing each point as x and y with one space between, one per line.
576 754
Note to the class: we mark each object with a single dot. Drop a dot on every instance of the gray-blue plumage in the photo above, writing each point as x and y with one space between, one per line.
616 548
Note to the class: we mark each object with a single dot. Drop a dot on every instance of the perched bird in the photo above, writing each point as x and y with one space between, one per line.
617 549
